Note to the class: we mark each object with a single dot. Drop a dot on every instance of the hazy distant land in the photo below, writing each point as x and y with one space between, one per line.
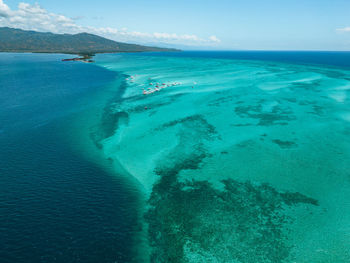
17 40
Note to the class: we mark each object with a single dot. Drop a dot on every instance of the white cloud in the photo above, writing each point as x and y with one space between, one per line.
34 17
345 29
214 39
4 9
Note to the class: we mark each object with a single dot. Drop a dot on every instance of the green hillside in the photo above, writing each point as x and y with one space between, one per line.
17 40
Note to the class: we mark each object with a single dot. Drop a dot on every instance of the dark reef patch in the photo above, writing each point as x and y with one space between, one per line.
295 198
128 103
318 110
196 125
284 144
245 143
185 161
194 222
142 107
332 73
292 100
117 110
110 122
110 118
242 124
191 221
278 116
309 86
224 99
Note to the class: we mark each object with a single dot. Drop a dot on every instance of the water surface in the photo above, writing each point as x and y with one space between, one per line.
57 203
244 156
240 156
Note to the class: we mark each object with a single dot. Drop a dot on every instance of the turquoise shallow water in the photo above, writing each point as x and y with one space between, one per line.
240 160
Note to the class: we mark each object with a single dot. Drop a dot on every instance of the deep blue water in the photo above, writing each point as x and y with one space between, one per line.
329 58
56 206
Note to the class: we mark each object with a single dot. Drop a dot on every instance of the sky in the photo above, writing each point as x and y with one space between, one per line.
193 24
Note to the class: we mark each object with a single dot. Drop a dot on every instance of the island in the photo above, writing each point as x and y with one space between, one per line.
83 58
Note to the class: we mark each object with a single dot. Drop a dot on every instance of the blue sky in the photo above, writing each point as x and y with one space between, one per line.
206 24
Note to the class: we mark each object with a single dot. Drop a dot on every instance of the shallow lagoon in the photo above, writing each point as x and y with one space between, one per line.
244 161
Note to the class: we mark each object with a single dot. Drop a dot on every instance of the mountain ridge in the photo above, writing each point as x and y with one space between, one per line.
18 40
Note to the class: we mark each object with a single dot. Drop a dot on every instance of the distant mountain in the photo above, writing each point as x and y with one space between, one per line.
17 40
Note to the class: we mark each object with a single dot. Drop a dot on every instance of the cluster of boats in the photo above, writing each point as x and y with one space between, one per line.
155 86
131 79
159 87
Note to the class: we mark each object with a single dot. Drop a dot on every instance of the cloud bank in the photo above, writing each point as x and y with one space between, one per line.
345 29
34 17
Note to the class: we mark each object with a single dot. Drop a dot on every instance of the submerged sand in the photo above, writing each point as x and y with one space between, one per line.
240 161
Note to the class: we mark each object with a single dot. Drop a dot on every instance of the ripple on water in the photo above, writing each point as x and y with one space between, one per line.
248 165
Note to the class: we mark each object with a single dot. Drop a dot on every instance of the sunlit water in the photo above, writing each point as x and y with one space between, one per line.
240 160
234 157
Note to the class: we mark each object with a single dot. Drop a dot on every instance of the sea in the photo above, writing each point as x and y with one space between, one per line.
193 156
